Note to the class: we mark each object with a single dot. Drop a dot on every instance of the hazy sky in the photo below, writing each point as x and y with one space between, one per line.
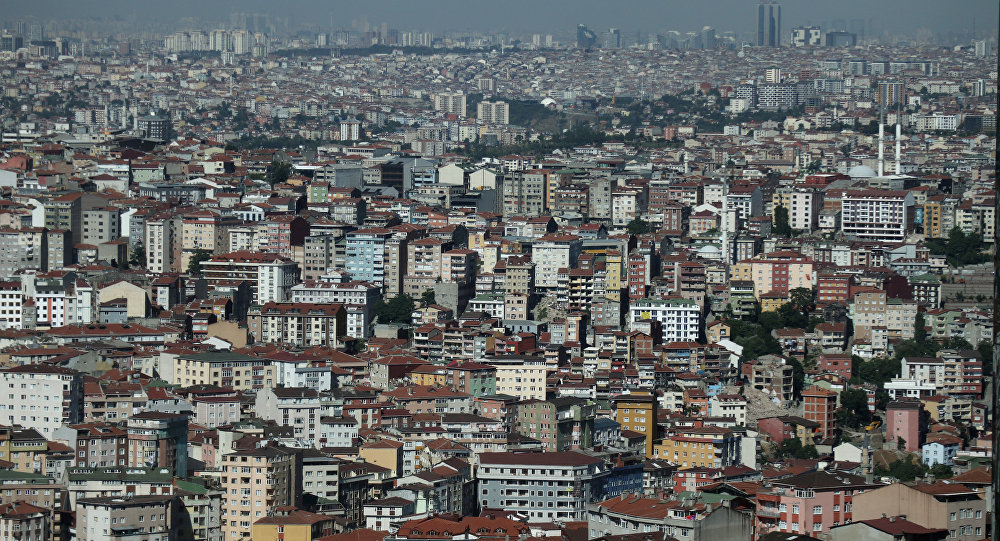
548 16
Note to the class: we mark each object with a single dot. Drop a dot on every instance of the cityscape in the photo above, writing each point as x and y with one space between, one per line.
550 271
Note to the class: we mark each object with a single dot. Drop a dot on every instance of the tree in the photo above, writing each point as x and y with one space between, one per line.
399 309
197 258
853 411
138 258
793 448
278 172
781 224
920 328
904 470
638 226
803 299
428 298
942 471
985 349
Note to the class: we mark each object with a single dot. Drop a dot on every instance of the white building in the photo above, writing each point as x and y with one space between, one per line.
876 215
493 112
40 396
298 408
358 298
804 212
680 319
551 253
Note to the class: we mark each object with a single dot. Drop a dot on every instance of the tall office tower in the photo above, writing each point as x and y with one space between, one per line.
585 37
36 32
613 39
768 24
708 39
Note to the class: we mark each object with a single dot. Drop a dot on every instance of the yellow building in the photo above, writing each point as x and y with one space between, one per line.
225 368
706 447
430 375
385 453
932 220
297 525
775 271
257 482
637 412
771 302
614 281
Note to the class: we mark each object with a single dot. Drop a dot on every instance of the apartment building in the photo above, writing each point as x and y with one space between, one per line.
638 412
705 447
301 324
126 519
158 439
679 319
255 482
366 256
350 294
525 193
41 396
224 368
296 407
523 377
628 515
493 112
95 445
544 487
811 503
820 407
877 215
775 272
961 510
561 424
270 276
25 522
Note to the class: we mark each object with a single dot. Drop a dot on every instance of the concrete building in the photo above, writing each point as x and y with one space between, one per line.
125 519
44 397
294 407
25 522
366 256
954 507
301 324
493 112
638 412
270 276
628 514
520 482
256 482
158 439
820 407
903 421
877 215
679 319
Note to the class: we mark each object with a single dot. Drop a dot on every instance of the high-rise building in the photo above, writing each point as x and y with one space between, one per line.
450 102
585 37
820 406
257 481
493 112
807 36
708 39
768 24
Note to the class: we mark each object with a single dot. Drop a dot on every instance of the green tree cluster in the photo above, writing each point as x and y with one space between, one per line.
399 309
960 249
638 226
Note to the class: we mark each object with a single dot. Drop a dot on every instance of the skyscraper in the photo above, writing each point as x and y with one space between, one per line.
768 24
585 38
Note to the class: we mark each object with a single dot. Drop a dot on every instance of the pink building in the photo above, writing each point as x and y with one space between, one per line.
902 420
809 503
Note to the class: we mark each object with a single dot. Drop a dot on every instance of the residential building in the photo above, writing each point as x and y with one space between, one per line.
520 482
255 483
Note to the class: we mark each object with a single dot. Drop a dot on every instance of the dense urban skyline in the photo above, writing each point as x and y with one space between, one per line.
524 16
